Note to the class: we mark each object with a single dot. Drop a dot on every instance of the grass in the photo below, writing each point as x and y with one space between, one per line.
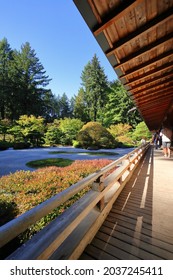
60 162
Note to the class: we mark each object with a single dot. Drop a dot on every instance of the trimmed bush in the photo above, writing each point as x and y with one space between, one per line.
93 134
84 139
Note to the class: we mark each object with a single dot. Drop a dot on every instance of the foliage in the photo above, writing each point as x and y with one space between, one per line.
95 135
141 131
95 86
4 127
8 210
4 145
21 145
5 77
61 162
22 82
81 111
64 107
76 144
63 131
69 128
53 134
118 107
121 133
29 129
26 189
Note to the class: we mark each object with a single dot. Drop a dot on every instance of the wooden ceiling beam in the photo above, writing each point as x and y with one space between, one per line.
146 50
149 26
165 75
150 73
155 114
117 14
156 104
156 93
155 111
147 95
147 64
153 88
155 99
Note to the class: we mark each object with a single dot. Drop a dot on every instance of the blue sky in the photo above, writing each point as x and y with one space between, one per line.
58 34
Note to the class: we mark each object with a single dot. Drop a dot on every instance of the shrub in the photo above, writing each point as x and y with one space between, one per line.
4 145
121 132
26 189
141 131
53 135
69 128
76 144
8 209
84 139
95 135
21 145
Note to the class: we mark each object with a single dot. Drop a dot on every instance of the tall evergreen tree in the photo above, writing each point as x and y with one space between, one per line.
5 82
81 111
64 106
95 86
118 107
30 81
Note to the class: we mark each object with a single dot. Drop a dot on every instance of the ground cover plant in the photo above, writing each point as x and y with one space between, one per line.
60 162
23 190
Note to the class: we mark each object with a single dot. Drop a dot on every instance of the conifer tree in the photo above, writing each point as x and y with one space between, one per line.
30 81
5 82
95 86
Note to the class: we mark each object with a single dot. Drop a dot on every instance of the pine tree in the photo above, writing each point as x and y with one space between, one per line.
80 107
29 82
64 106
95 86
118 107
5 82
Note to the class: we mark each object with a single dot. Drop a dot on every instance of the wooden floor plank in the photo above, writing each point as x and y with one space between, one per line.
146 238
128 248
93 251
142 245
147 232
114 251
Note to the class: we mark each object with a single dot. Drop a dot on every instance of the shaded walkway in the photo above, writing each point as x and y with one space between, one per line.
140 224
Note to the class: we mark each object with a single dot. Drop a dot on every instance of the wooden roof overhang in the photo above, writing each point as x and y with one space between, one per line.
136 36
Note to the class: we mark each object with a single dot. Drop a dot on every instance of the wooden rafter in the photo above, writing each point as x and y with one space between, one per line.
154 88
165 75
153 92
155 99
154 23
155 107
148 64
137 38
124 8
146 50
153 72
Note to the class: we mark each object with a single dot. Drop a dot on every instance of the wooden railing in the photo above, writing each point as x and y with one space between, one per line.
67 236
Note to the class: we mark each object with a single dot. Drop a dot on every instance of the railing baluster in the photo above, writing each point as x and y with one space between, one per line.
98 186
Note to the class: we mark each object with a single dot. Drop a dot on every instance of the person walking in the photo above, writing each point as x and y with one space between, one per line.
166 141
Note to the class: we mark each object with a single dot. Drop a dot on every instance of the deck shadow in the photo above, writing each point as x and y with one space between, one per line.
127 232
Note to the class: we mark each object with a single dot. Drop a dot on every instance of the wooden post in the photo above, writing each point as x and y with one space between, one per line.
98 186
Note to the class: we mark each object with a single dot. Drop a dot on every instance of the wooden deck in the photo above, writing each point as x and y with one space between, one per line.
140 224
